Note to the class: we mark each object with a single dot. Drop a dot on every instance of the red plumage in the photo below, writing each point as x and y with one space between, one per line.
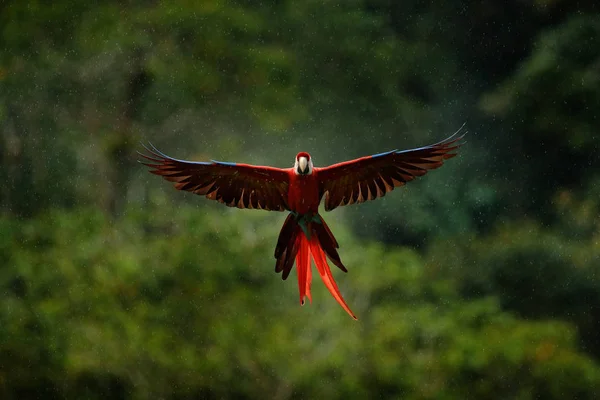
304 235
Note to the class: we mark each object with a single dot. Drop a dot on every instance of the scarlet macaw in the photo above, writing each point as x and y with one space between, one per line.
299 190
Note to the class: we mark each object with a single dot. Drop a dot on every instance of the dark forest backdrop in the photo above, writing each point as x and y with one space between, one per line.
479 280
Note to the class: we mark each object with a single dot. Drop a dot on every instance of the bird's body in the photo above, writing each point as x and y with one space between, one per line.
303 192
299 190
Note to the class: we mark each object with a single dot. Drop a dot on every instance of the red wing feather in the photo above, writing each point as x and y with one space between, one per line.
235 185
370 177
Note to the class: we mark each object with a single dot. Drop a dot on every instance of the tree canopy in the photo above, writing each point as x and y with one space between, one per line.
479 280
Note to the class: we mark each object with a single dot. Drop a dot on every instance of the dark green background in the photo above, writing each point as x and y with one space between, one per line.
478 281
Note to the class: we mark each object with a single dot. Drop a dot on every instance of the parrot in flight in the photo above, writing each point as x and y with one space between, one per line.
299 191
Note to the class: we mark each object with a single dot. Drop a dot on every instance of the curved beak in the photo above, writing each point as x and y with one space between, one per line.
302 165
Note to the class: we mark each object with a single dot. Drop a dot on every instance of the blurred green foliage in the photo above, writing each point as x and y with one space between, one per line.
479 280
160 305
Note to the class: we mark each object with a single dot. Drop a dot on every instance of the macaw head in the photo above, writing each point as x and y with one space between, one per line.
303 164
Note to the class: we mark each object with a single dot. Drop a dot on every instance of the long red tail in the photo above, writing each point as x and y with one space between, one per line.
294 244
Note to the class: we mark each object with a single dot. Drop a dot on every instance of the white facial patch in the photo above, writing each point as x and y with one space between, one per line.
301 164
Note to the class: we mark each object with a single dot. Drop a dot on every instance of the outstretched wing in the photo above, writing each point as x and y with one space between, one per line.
370 177
235 185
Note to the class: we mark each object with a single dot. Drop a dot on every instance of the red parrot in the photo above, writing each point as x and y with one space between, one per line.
299 190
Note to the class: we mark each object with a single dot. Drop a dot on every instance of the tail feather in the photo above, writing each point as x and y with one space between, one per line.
328 243
293 245
287 246
285 236
335 243
325 272
289 256
308 277
303 268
